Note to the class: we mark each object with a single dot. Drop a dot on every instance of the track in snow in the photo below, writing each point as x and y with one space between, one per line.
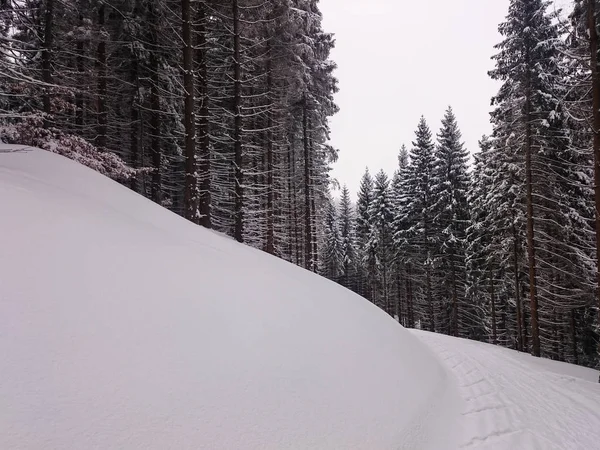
515 401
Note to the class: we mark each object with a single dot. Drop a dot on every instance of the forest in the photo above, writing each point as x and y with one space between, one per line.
219 111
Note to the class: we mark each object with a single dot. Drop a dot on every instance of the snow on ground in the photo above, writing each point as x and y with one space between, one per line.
516 401
124 326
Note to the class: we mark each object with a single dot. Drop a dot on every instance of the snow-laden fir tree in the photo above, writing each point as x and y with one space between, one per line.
450 182
379 246
348 241
363 229
333 257
414 226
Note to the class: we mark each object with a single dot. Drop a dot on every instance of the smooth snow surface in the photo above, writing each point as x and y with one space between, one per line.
124 326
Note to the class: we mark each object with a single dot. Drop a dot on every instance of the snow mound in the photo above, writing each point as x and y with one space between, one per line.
124 326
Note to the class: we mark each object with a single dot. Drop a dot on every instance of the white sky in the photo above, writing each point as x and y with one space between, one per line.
400 59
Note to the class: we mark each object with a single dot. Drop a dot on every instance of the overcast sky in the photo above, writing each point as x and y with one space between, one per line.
400 59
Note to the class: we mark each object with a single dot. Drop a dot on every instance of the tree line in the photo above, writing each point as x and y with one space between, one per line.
505 251
218 110
215 109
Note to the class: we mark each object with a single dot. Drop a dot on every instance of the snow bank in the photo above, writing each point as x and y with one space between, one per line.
124 326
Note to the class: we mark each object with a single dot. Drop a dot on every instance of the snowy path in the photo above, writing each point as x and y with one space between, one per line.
513 401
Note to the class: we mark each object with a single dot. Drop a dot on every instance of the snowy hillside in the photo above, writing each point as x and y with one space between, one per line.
124 326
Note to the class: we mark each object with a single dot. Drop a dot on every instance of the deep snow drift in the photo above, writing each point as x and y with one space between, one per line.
124 326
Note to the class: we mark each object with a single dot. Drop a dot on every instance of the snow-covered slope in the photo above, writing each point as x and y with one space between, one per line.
124 326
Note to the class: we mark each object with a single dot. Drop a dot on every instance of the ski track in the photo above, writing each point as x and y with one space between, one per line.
509 404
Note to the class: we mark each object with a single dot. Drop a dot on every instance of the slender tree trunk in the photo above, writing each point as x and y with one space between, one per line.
399 311
518 302
528 144
454 298
134 141
593 21
573 329
430 299
308 263
493 298
102 80
270 241
155 147
80 78
237 126
189 120
409 298
47 58
204 168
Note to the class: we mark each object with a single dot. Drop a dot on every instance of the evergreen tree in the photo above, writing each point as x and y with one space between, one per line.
333 256
451 218
363 229
378 250
348 244
414 226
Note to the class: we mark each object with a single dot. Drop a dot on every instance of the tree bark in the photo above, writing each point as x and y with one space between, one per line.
80 78
528 144
155 147
237 126
593 21
47 58
270 238
308 260
518 301
204 168
101 139
492 293
189 121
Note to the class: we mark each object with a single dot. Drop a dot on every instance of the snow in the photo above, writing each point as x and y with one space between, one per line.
124 326
515 401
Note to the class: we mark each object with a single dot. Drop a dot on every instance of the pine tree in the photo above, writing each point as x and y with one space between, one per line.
378 249
414 226
333 257
363 229
528 110
348 244
451 219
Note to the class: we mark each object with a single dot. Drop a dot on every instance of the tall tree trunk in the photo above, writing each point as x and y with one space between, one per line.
134 140
493 298
518 302
47 58
593 22
155 150
189 121
573 329
399 311
308 262
410 309
270 238
237 126
528 144
454 297
80 79
204 168
102 80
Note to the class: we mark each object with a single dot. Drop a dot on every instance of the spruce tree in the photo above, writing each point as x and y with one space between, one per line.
451 218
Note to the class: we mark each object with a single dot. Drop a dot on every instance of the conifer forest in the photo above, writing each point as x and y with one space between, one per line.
219 111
